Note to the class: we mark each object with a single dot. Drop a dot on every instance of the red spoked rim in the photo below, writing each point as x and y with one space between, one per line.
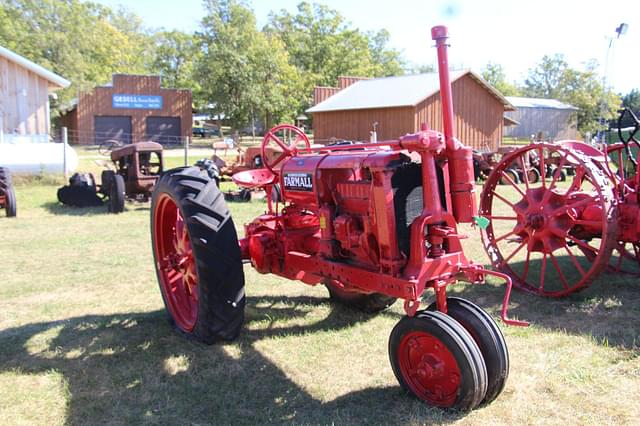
429 368
175 263
553 238
286 137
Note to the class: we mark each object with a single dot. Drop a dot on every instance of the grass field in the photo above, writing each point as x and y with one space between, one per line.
84 339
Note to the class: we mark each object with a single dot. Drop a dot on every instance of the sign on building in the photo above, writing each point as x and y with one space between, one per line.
119 100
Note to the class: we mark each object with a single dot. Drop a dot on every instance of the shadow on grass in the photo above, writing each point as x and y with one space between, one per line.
134 368
57 208
607 311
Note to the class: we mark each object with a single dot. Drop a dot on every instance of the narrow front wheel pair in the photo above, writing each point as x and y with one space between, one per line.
457 360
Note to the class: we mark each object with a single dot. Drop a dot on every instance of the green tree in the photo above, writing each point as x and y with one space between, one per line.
632 100
386 61
242 71
175 56
322 46
83 42
552 78
495 76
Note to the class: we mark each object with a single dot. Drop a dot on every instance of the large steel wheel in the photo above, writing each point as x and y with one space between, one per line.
488 337
553 238
437 361
197 256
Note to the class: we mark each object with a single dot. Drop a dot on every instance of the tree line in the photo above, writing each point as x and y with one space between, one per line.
242 71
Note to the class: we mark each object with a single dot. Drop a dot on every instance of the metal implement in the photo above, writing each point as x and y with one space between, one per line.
553 237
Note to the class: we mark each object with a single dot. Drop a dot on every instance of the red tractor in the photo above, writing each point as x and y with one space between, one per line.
370 224
555 235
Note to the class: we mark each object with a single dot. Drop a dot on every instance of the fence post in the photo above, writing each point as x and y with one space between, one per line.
186 151
64 153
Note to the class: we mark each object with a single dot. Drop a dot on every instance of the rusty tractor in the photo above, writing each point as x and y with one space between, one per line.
134 171
7 193
371 225
554 237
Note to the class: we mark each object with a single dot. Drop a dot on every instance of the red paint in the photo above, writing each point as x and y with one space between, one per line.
177 268
429 368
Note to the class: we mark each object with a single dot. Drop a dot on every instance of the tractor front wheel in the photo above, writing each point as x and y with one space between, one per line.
197 256
436 359
487 335
370 303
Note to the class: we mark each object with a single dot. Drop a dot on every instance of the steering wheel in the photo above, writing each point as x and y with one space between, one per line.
636 127
287 137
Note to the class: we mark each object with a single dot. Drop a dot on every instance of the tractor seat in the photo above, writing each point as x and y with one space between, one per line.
255 178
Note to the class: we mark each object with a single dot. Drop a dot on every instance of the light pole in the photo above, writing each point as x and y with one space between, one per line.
620 30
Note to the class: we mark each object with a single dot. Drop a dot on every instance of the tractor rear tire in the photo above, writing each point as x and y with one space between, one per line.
436 360
117 195
192 229
10 201
489 339
369 303
6 188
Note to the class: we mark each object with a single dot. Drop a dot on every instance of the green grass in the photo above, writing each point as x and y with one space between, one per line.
84 340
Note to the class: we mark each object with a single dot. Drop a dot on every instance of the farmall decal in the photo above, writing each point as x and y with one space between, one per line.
298 182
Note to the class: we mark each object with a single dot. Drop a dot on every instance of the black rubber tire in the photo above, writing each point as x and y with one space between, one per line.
533 174
276 193
512 174
106 180
369 303
117 195
488 337
5 177
213 237
473 372
10 205
6 188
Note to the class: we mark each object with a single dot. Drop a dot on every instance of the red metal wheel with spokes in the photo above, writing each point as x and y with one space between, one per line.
437 360
553 238
290 139
176 264
197 256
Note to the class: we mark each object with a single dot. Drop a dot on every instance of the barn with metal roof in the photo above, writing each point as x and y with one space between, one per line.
24 98
547 119
398 105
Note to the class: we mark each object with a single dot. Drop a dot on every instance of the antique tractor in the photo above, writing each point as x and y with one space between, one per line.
135 171
372 225
554 236
7 193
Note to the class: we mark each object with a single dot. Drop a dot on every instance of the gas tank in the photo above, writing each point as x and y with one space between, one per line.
310 180
34 158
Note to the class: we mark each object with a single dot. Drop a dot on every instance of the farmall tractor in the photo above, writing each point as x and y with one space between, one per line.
555 235
370 224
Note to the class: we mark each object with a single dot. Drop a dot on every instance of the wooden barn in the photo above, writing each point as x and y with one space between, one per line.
133 108
25 88
398 105
543 119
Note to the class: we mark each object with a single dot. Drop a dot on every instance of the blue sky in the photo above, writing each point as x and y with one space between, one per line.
515 34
